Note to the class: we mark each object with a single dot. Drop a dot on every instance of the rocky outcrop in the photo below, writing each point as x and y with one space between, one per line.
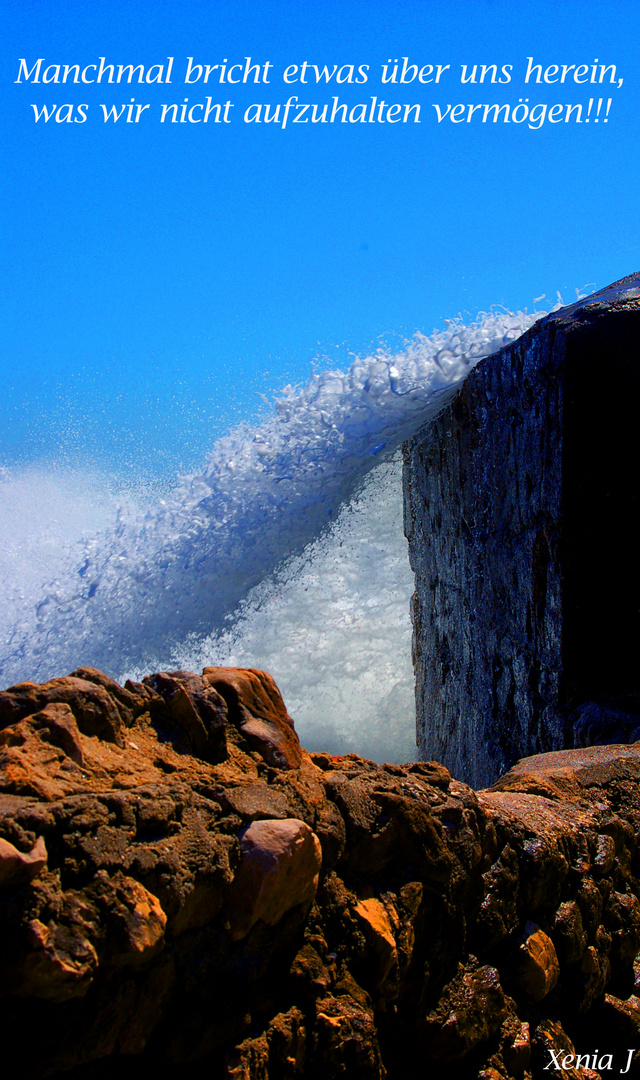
183 887
520 510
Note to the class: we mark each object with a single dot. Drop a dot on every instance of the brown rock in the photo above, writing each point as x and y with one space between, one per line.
288 1042
57 725
623 917
379 933
345 1041
538 967
498 914
127 703
197 709
39 758
278 870
259 801
16 867
605 854
471 1010
258 711
551 1045
181 886
568 933
137 921
595 970
93 707
517 1051
565 773
249 1061
283 1048
59 965
313 975
622 1019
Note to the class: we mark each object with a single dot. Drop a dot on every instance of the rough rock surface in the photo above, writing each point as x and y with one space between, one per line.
521 529
184 890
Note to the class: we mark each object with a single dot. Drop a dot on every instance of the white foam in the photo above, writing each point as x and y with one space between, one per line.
127 596
332 627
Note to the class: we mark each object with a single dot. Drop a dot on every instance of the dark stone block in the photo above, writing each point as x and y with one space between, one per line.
521 504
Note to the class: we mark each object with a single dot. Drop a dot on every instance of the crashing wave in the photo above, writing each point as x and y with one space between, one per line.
134 590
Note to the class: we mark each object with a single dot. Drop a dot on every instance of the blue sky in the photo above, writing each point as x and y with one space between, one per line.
158 278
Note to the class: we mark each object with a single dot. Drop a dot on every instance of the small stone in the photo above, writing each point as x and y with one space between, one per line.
95 711
57 725
16 867
605 854
249 1060
517 1053
257 710
623 1018
380 937
346 1040
538 968
568 933
60 964
197 709
471 1009
141 922
279 869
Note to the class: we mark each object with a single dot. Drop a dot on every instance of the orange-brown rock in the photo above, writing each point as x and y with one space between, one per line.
256 707
538 968
182 887
379 932
279 868
470 1011
17 867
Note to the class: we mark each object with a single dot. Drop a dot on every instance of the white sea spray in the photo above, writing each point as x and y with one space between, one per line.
219 568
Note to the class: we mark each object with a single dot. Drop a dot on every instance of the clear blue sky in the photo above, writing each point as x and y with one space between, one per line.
158 277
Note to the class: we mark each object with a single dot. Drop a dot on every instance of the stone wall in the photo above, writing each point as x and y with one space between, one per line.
520 506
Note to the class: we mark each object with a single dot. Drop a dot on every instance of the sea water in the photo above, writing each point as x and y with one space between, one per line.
284 551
